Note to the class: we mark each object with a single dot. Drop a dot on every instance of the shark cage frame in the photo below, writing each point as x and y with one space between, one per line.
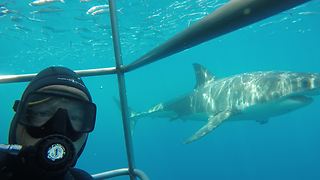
233 15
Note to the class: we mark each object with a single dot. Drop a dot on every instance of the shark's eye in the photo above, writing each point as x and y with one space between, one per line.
306 83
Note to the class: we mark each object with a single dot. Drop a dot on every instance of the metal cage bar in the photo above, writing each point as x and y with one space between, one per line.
230 17
120 172
237 13
122 89
82 73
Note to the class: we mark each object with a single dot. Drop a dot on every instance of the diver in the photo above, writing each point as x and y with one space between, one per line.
49 129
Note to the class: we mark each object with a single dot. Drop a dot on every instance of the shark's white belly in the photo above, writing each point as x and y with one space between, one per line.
266 110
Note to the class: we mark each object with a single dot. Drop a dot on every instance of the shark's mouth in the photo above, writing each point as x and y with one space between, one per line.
313 92
301 99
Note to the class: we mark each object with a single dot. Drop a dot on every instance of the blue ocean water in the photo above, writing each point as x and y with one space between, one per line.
287 147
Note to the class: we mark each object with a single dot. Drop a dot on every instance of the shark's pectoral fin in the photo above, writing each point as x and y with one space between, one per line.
213 122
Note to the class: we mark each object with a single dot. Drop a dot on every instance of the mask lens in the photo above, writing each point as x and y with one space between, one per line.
80 121
39 108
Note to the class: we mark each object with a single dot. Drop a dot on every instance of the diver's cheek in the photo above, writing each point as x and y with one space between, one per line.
23 137
80 142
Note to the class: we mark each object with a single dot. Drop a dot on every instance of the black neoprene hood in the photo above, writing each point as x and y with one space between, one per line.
49 76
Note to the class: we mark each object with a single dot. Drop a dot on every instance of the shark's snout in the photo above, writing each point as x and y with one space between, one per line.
308 85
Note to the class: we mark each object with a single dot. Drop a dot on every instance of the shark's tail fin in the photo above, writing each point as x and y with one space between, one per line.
133 116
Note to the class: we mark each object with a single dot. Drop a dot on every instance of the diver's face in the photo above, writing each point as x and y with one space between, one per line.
26 138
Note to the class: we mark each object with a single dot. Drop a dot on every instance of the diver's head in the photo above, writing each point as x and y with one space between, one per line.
56 102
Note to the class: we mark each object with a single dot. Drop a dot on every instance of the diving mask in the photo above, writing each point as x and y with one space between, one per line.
39 107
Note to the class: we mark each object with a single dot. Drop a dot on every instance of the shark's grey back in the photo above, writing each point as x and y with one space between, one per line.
246 89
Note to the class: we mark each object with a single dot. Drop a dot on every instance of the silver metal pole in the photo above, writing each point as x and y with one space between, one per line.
82 73
230 17
120 172
122 89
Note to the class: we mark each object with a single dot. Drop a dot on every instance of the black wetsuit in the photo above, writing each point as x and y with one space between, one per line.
11 168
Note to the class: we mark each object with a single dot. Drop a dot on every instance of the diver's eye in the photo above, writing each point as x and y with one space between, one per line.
43 113
75 118
306 83
46 113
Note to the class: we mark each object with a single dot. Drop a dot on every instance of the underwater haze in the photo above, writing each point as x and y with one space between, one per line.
66 34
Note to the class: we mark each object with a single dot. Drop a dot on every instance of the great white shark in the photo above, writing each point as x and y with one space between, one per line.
254 96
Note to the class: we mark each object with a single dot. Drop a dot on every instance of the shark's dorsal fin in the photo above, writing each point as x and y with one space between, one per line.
202 75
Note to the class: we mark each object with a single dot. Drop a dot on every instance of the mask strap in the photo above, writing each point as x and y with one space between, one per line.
15 105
